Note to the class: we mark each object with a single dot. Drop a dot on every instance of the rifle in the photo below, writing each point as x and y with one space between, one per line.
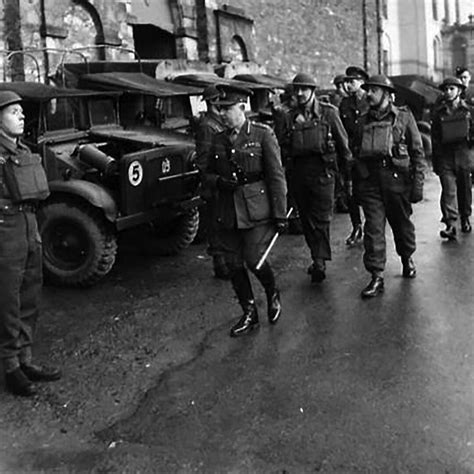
271 244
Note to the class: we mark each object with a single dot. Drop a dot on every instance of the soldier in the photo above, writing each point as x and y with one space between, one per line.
210 124
340 92
246 174
453 158
315 138
463 74
350 110
388 177
22 185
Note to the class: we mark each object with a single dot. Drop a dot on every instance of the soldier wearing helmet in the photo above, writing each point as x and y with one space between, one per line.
208 125
350 110
453 156
316 141
388 177
23 184
340 92
245 173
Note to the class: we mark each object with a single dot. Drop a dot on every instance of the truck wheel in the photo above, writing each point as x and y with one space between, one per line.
174 236
79 245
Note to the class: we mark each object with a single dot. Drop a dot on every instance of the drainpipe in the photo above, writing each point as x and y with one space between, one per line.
365 33
379 36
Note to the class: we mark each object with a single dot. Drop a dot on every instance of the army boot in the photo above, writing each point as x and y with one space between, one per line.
248 321
18 383
318 271
448 233
409 268
267 279
374 288
355 236
466 225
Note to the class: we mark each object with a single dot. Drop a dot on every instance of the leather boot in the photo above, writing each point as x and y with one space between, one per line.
17 382
40 373
374 287
448 233
465 225
221 270
409 268
318 271
267 279
248 321
356 235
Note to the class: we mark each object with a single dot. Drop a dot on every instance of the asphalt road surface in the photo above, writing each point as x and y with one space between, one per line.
153 383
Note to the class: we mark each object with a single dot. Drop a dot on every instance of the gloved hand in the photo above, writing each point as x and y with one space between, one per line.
416 194
281 225
227 184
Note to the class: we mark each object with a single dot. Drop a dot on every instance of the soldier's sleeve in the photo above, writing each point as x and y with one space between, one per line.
204 134
274 173
342 142
209 173
415 147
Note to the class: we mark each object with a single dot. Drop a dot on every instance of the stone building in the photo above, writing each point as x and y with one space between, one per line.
281 37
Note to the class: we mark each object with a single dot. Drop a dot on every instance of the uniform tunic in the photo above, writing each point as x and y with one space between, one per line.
453 162
383 185
20 264
244 217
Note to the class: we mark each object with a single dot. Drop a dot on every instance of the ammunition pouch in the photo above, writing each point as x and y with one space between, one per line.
455 128
25 178
377 140
309 138
400 157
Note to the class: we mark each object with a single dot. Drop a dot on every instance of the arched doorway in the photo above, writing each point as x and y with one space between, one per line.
237 49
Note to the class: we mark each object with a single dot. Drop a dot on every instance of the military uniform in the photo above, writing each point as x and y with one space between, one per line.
388 173
316 141
246 175
453 161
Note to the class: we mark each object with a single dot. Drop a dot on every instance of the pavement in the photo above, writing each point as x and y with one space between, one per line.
154 384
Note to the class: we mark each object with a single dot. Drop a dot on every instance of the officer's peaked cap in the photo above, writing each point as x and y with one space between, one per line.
451 81
356 72
9 98
232 94
339 79
303 80
379 80
210 93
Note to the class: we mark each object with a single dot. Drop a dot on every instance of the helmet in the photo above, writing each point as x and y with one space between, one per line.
356 72
9 98
303 80
460 70
339 79
379 80
210 93
451 81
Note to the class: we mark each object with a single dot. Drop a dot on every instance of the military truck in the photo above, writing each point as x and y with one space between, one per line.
105 179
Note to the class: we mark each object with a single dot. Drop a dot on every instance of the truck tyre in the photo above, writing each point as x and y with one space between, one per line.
173 237
79 244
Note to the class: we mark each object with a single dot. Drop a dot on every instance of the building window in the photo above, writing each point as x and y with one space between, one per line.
457 12
447 15
435 10
385 9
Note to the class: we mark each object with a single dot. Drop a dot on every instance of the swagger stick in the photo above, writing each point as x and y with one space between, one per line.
271 244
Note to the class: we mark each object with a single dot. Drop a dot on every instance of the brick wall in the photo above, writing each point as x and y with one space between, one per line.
320 37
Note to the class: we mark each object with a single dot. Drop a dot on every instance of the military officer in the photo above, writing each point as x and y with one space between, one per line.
22 185
388 177
315 138
209 124
246 174
453 156
336 97
350 110
463 74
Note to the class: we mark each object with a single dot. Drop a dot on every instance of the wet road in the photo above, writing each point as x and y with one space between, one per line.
155 384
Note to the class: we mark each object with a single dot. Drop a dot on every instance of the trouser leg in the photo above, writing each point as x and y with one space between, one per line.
464 192
448 199
399 211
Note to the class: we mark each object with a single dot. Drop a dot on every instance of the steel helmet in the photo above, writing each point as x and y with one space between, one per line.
451 81
9 98
303 80
379 80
